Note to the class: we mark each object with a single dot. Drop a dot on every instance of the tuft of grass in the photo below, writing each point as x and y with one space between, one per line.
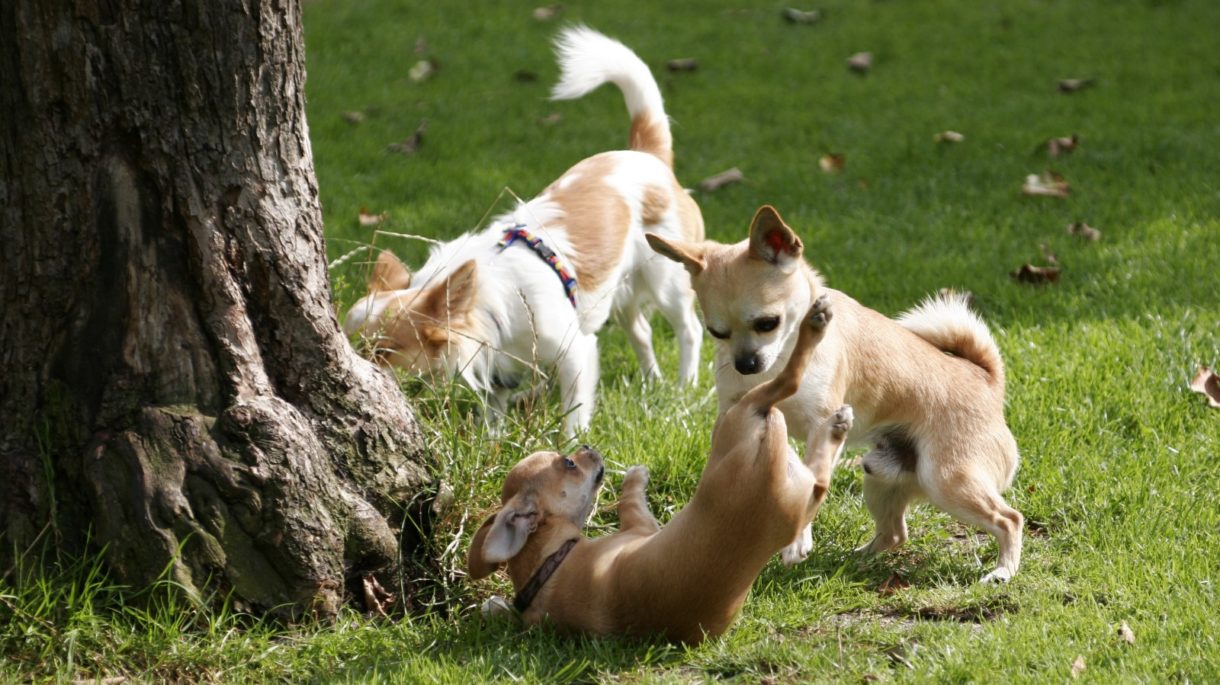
1119 458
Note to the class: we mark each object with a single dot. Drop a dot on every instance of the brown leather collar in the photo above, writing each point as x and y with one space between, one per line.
523 599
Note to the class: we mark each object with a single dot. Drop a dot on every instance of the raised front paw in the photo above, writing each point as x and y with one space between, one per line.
636 476
819 313
840 422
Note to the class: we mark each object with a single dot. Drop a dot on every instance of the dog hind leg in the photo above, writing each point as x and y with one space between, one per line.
639 334
887 499
977 503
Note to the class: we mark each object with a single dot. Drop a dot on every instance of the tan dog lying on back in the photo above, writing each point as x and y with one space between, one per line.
927 390
684 581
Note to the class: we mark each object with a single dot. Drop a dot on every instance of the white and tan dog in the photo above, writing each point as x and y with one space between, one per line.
684 581
927 389
532 290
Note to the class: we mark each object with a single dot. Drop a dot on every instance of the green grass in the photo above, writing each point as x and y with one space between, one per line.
1120 460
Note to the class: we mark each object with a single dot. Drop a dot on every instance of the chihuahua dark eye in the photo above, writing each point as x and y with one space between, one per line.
766 325
717 334
568 464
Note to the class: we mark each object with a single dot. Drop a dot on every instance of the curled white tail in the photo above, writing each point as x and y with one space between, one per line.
587 59
947 322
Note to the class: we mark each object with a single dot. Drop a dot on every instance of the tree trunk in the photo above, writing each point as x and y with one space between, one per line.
174 385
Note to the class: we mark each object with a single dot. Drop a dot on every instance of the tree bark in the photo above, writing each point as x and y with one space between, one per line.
174 385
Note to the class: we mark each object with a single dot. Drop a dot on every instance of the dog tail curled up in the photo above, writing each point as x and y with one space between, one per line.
587 59
947 322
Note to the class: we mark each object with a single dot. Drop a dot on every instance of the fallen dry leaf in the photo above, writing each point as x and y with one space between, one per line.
795 16
1049 184
948 137
368 218
423 69
550 119
833 162
1071 85
547 12
682 64
1078 667
1028 273
1062 145
893 584
353 117
412 143
1125 632
860 62
721 179
376 598
1207 383
1084 231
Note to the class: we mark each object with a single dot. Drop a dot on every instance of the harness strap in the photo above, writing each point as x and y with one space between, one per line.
533 242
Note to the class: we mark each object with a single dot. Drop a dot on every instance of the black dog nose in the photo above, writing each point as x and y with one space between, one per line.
746 364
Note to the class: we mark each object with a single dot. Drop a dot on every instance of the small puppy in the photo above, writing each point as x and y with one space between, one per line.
927 389
531 291
684 581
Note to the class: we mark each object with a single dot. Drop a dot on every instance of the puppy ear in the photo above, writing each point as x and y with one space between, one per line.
688 255
771 240
389 273
502 536
455 297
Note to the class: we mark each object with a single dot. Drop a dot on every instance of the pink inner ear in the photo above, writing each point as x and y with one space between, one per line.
775 239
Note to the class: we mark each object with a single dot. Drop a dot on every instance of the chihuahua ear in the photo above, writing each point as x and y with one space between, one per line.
502 536
389 273
455 297
771 240
688 255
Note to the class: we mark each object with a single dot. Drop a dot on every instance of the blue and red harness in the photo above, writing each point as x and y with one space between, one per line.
533 242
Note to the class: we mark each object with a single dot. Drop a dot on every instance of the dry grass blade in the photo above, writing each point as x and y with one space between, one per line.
795 16
1071 85
724 178
353 117
948 137
682 64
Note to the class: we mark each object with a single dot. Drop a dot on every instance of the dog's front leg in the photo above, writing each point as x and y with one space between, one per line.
822 452
578 372
633 512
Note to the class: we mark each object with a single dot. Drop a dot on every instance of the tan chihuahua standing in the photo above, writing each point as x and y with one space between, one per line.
687 580
927 390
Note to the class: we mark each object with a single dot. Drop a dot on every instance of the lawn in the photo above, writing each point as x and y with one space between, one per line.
1119 457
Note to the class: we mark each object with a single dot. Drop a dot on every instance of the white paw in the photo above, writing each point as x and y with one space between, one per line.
496 607
800 548
1000 575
